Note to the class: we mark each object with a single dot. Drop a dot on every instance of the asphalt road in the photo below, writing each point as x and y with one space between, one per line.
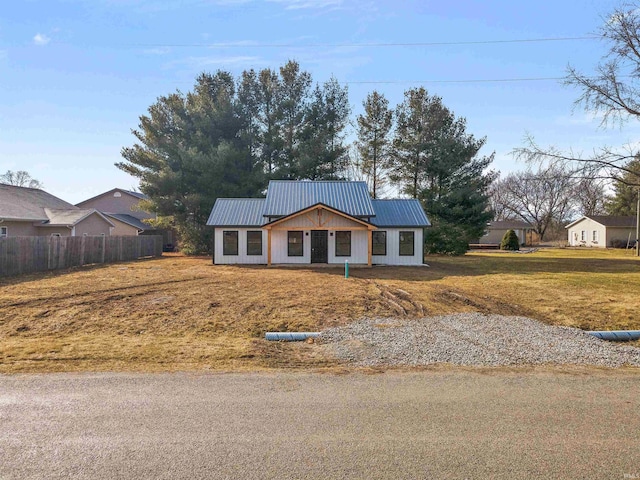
434 424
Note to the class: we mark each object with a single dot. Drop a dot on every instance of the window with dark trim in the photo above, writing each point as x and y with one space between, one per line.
407 247
294 244
4 231
230 242
379 243
343 244
254 242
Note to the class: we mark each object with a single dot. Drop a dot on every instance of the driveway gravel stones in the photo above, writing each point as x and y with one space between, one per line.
471 339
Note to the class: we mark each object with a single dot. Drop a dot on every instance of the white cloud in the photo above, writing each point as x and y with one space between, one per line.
41 39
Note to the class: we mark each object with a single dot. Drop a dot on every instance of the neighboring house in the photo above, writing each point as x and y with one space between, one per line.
119 201
304 222
496 230
602 231
122 207
34 212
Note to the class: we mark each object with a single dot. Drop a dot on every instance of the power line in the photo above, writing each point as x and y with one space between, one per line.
360 45
481 80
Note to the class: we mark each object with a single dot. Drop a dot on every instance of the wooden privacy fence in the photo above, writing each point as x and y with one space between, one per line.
20 255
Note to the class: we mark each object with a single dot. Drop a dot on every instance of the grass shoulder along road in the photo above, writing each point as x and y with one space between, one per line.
180 313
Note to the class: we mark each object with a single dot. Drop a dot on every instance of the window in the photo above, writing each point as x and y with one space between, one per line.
254 242
583 236
343 244
229 242
294 247
4 232
594 238
379 240
406 244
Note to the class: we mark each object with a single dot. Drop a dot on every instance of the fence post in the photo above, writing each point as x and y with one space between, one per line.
82 250
104 246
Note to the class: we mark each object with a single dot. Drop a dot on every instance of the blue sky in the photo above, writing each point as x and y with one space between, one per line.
75 75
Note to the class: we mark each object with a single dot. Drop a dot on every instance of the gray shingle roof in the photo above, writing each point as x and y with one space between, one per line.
68 217
21 203
614 221
286 196
139 195
237 212
130 220
399 213
508 224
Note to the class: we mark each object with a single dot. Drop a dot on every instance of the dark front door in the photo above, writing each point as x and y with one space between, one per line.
319 246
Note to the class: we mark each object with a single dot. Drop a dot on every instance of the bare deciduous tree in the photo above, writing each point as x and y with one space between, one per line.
19 179
613 93
539 197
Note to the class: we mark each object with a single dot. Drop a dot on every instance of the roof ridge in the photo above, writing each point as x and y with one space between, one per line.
23 188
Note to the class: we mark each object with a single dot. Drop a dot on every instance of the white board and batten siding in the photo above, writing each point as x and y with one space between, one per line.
359 239
393 256
242 257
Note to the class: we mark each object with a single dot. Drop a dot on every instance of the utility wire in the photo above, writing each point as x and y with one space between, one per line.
488 80
362 45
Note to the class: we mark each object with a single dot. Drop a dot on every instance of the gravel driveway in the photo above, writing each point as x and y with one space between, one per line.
471 339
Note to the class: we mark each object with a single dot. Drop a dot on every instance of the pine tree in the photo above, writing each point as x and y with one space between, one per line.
374 127
189 152
437 161
323 155
625 191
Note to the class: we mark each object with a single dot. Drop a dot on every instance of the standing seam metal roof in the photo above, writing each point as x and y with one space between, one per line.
288 196
399 213
237 212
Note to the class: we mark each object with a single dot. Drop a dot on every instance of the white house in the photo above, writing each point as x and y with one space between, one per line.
304 222
602 231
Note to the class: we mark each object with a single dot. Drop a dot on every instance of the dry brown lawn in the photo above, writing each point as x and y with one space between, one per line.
178 313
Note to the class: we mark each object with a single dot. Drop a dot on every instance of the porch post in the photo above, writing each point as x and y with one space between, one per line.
269 247
369 247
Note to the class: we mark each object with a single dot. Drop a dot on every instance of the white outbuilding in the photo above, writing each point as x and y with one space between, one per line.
602 231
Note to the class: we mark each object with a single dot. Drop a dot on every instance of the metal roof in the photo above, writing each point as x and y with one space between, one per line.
288 196
399 213
237 212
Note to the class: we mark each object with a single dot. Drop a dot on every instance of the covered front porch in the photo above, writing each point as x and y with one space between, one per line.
319 235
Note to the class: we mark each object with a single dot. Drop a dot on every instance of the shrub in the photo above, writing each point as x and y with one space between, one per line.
446 238
510 241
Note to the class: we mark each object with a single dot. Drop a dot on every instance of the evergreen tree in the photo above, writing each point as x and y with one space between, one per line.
323 155
625 191
295 88
189 153
435 160
510 241
374 127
